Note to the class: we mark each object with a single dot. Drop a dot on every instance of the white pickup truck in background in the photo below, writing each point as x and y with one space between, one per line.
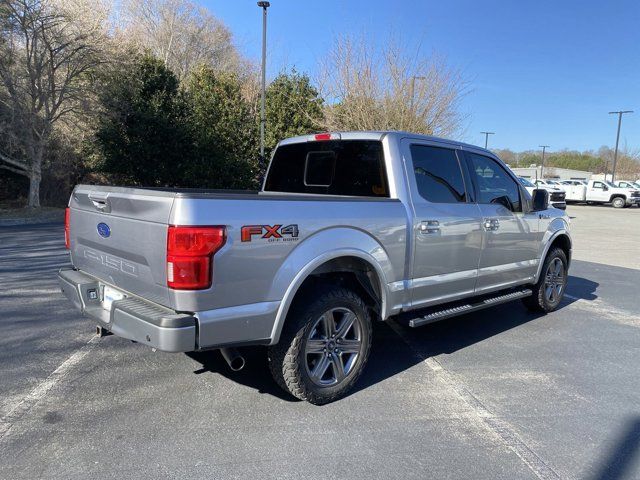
602 191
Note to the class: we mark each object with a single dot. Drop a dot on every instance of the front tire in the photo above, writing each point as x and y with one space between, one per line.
550 288
324 345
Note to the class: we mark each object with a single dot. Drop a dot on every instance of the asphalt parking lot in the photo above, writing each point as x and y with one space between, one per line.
499 394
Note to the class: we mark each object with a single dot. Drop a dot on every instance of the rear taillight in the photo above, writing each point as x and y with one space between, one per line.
67 231
190 253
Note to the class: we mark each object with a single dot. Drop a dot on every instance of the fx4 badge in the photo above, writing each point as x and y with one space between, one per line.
271 233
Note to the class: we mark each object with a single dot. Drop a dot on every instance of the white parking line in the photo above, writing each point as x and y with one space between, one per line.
23 406
606 311
492 422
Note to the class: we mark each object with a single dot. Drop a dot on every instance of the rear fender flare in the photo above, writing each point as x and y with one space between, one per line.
309 255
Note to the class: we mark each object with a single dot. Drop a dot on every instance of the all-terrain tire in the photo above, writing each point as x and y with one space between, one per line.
540 300
288 359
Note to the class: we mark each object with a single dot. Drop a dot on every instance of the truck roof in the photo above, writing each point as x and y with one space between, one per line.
379 135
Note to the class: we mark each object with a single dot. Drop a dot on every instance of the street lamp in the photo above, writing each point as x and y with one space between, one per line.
615 153
543 147
486 138
263 115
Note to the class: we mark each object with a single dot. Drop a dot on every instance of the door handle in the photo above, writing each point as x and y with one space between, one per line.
101 203
429 227
491 224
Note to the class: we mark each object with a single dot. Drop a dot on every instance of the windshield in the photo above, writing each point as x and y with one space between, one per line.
609 183
552 182
525 182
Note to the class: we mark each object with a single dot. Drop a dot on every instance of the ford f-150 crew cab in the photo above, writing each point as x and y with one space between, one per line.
348 228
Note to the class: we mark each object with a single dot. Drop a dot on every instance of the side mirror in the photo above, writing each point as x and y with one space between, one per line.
605 188
540 200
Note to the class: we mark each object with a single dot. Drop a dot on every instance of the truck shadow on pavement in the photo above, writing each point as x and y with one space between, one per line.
390 352
618 464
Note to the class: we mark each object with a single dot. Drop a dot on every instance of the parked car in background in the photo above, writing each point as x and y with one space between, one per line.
573 182
627 184
548 184
349 228
603 191
556 194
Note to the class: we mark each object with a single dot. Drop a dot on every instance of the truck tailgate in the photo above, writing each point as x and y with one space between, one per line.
119 235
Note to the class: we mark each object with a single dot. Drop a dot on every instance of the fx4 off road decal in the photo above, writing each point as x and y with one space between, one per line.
288 233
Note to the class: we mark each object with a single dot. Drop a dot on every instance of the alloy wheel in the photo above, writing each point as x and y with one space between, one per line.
554 281
333 346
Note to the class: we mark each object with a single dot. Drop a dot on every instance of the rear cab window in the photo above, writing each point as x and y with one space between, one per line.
335 167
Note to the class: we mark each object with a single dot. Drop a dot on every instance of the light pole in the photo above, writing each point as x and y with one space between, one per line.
412 90
486 138
543 147
263 115
615 153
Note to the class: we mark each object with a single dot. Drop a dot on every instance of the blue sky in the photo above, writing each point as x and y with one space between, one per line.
540 71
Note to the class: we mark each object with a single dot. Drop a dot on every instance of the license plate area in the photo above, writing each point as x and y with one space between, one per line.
110 295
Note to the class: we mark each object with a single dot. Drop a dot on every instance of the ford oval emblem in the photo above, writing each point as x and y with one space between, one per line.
104 230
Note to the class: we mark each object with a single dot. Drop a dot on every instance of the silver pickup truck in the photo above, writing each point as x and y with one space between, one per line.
349 228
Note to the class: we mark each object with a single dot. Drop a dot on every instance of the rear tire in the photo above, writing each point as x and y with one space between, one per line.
324 345
550 288
618 202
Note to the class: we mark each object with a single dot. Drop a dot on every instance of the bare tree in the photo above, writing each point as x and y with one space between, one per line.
45 61
180 33
507 156
389 89
627 165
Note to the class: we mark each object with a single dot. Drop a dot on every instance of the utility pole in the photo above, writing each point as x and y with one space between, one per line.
263 115
615 154
412 91
543 147
486 138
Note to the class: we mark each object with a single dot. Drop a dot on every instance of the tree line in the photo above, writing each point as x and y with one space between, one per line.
155 93
598 161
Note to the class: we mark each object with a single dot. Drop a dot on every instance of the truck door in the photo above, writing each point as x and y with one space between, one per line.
510 236
447 232
598 192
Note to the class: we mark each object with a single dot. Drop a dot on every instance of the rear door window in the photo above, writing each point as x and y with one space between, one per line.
438 174
335 167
